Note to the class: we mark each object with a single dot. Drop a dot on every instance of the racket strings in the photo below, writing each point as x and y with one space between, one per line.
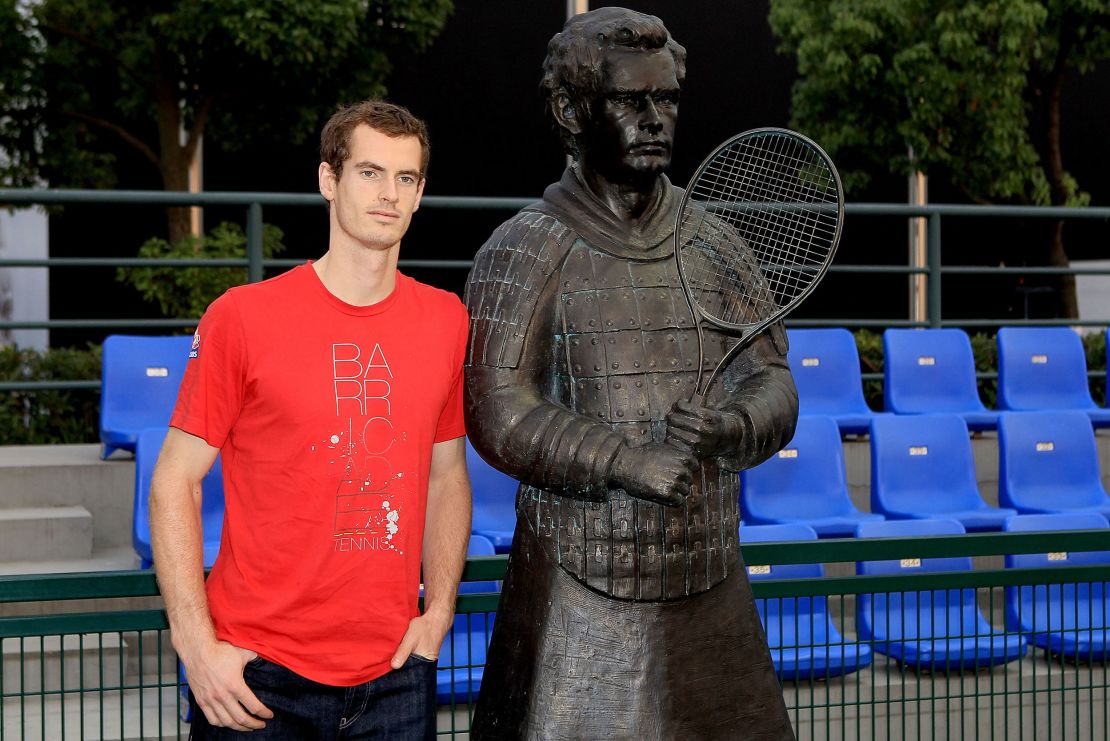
762 223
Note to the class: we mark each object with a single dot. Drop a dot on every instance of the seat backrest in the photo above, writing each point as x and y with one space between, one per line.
1046 523
139 380
913 614
780 534
826 368
494 493
911 529
929 370
788 621
922 463
1048 460
147 448
805 478
1042 368
479 545
1056 607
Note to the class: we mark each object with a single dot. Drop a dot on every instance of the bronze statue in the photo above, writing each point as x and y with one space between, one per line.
626 612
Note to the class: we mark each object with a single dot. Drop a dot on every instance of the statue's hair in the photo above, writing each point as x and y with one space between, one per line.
388 118
573 66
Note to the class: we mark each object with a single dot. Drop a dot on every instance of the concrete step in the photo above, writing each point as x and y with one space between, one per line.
137 714
64 663
46 533
116 558
68 475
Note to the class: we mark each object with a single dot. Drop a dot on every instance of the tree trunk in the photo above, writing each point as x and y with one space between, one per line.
1068 300
173 158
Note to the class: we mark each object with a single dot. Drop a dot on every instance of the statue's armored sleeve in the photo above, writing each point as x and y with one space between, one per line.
511 296
759 393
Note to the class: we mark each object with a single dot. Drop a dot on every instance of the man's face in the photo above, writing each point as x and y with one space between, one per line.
374 198
631 131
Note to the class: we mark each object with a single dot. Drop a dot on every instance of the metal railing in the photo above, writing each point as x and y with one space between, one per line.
99 674
255 264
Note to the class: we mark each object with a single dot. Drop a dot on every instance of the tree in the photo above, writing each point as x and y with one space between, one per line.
79 79
965 90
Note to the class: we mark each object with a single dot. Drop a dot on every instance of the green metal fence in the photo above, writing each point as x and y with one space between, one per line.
74 674
253 204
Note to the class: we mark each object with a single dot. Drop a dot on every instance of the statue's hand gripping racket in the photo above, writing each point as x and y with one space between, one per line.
756 231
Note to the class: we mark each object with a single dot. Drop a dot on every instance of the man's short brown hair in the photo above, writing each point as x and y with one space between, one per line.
388 118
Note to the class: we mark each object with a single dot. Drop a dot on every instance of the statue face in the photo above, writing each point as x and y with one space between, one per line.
631 133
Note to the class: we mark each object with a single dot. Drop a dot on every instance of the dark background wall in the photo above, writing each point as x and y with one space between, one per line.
477 87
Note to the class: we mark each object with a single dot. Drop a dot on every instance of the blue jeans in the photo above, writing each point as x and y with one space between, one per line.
400 705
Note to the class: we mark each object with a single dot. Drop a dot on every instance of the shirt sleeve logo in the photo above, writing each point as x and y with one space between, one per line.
195 350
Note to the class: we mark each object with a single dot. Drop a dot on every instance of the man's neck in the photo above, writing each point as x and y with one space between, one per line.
628 201
358 277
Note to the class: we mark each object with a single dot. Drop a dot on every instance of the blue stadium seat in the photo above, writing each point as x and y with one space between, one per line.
1045 368
1069 620
938 630
212 502
139 379
1048 462
804 642
805 483
922 467
494 496
826 368
462 658
933 370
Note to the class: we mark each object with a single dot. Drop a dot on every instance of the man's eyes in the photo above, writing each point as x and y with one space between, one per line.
402 179
637 100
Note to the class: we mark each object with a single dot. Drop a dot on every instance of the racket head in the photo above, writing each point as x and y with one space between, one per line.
758 227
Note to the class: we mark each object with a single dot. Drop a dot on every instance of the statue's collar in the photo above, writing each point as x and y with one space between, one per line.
649 238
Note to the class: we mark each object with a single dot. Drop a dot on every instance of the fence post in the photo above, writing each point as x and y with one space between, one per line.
934 270
254 243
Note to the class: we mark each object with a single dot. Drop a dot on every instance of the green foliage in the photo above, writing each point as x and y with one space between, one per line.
953 81
49 417
82 79
985 350
185 292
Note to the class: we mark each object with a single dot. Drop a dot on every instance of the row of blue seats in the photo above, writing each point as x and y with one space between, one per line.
938 630
925 370
923 466
933 370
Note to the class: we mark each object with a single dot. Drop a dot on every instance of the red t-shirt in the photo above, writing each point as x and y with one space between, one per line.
325 415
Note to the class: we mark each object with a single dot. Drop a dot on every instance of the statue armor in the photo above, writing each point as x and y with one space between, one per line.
626 348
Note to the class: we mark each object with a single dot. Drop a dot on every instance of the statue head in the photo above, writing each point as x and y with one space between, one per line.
611 80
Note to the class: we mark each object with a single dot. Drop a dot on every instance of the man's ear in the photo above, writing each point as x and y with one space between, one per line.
567 113
327 181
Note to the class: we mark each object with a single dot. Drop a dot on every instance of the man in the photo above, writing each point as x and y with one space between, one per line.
334 394
626 612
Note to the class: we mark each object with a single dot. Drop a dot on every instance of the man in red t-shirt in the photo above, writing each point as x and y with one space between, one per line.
333 393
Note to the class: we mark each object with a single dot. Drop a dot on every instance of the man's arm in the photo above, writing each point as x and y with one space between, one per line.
446 534
214 668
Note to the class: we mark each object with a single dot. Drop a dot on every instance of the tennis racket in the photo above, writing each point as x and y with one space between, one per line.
756 231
